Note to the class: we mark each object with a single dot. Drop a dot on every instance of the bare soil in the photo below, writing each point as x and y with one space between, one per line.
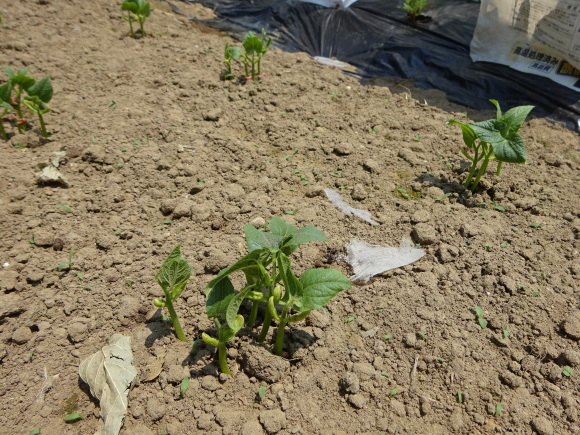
161 151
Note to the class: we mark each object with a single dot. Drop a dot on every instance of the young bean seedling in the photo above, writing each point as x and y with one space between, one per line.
230 53
5 106
137 10
172 278
38 96
494 139
254 50
271 282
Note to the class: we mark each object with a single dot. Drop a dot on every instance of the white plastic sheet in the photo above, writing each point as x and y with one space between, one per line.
370 260
336 200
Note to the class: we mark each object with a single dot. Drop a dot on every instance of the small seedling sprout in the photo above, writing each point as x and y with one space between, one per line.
67 264
137 10
414 8
38 96
479 315
494 139
567 371
262 392
230 53
183 386
73 418
460 397
172 278
498 409
5 106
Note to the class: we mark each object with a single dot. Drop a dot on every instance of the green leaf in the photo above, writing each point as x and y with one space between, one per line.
488 131
280 228
515 117
219 298
65 208
250 260
42 89
34 431
173 274
232 52
262 392
567 371
130 6
256 239
23 81
319 287
498 409
232 316
512 150
478 311
498 111
482 322
468 133
252 44
294 288
5 92
225 333
6 106
307 234
184 386
144 9
72 418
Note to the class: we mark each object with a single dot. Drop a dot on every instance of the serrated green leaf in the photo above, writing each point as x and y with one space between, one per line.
319 287
256 239
173 274
218 298
42 89
468 133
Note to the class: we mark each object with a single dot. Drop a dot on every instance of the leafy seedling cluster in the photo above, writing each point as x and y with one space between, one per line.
22 90
414 9
137 11
254 49
172 278
494 139
271 283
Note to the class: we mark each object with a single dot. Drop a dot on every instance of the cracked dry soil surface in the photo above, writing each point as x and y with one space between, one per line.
160 151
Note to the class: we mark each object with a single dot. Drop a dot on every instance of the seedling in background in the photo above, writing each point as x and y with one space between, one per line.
73 418
20 83
460 397
38 96
567 371
498 409
172 277
261 392
480 319
67 264
230 53
271 281
137 10
414 8
494 139
5 106
183 387
254 50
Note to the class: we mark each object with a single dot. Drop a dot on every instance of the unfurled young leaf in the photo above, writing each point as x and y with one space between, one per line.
42 89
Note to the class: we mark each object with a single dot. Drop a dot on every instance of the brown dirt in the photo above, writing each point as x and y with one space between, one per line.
160 151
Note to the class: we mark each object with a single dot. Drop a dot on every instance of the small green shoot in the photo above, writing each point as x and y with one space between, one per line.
261 392
393 392
73 418
494 139
67 264
350 319
480 318
137 10
498 208
20 82
444 196
498 409
414 8
183 387
386 374
254 50
537 225
35 431
387 336
230 53
421 335
65 208
505 332
460 397
567 371
5 106
172 278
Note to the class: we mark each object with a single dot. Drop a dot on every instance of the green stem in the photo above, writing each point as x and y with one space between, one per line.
497 172
473 167
223 353
481 170
3 134
42 125
265 327
253 314
178 331
141 22
279 338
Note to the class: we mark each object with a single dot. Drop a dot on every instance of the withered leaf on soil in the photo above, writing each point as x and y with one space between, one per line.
111 375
